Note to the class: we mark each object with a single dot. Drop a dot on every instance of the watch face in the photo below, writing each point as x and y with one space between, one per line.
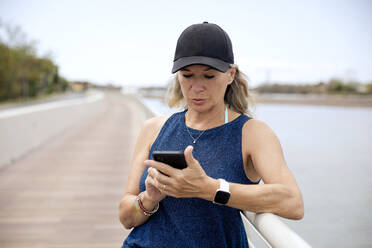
222 197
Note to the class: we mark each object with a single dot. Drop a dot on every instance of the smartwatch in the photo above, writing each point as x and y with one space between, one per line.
222 195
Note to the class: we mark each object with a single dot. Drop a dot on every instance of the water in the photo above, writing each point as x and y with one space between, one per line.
329 151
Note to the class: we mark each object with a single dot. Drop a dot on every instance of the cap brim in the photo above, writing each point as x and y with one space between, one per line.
217 64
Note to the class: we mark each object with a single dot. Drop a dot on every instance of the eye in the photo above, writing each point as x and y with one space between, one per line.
187 75
209 76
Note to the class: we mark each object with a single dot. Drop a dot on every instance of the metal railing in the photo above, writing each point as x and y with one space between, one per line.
269 231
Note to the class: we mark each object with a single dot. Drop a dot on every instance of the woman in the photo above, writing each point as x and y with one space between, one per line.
226 151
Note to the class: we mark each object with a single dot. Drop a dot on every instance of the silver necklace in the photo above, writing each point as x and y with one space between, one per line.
192 137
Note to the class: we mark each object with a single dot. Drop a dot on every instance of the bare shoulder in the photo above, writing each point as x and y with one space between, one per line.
256 127
155 122
258 132
149 131
152 126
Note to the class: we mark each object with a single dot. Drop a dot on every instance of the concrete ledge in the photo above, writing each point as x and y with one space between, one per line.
21 133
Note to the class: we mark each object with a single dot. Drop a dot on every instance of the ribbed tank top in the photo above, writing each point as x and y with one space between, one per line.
194 222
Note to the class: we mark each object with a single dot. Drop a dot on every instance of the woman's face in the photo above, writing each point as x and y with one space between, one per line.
204 87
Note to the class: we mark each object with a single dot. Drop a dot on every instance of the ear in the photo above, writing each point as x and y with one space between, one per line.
231 74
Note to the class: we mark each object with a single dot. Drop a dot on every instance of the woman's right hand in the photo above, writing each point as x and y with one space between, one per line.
153 191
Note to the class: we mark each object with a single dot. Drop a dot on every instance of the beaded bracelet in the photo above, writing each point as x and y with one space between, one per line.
141 209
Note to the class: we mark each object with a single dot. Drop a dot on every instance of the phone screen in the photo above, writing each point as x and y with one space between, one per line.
176 159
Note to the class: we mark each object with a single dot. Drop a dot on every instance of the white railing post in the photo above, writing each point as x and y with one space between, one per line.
273 231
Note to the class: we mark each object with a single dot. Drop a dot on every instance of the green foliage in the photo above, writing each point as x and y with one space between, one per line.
338 86
22 72
284 88
334 86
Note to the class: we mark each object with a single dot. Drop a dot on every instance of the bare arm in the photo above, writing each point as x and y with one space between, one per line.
280 193
128 214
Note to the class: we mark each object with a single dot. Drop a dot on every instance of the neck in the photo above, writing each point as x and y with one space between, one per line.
207 119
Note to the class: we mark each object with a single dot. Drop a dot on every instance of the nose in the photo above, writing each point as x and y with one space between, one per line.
198 85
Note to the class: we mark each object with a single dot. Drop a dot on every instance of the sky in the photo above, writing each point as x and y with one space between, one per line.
132 43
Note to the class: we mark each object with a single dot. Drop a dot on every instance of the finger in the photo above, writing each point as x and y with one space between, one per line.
163 188
152 172
161 167
190 160
150 181
155 183
158 177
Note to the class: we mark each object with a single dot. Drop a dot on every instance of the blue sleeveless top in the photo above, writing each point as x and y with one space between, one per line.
194 222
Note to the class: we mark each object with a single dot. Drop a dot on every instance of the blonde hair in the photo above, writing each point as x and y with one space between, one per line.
237 94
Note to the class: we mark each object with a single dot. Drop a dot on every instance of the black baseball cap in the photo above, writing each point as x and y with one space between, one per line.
203 44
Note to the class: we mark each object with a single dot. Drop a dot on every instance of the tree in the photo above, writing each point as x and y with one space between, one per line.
22 72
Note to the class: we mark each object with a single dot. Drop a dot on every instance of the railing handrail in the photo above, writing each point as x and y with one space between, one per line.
273 231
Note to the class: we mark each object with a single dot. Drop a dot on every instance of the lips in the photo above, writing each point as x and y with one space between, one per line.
198 101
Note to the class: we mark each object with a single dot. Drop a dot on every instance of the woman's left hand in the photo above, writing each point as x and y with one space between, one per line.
189 182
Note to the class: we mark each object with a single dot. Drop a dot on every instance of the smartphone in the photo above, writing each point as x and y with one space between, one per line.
176 159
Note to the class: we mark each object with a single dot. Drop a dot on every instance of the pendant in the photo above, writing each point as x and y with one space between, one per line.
194 141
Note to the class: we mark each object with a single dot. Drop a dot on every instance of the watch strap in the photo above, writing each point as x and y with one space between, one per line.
224 186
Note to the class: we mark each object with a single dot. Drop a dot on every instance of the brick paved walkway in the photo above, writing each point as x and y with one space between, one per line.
66 192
